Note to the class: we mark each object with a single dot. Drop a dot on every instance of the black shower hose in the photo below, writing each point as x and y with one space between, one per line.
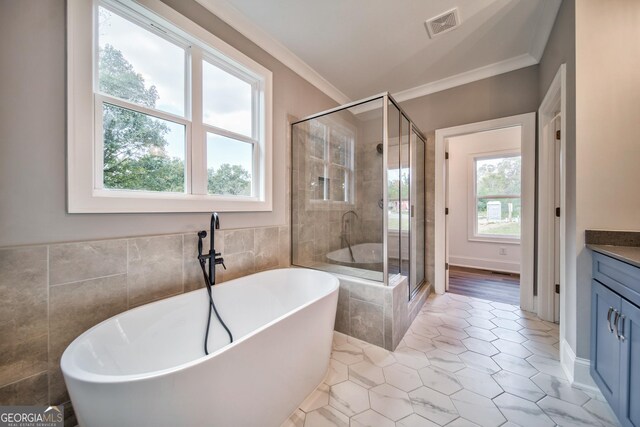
212 307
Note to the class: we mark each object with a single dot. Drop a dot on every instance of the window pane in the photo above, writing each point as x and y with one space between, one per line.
139 66
340 144
142 152
226 100
339 183
317 139
318 182
498 186
229 166
499 217
498 176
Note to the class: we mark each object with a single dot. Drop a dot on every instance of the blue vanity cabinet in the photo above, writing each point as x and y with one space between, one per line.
605 350
615 335
629 327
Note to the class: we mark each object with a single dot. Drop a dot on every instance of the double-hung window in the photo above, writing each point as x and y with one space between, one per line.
496 205
163 116
331 154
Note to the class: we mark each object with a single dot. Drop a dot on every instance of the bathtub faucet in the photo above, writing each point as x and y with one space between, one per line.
215 258
346 232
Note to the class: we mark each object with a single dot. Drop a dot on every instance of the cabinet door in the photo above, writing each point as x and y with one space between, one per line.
629 328
605 347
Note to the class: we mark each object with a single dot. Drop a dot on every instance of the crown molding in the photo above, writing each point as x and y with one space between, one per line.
480 73
232 16
236 19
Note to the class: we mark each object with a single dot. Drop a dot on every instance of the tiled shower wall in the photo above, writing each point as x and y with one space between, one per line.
318 228
369 186
377 314
50 294
317 225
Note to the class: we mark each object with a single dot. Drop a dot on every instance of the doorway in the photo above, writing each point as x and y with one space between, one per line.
524 125
551 200
484 205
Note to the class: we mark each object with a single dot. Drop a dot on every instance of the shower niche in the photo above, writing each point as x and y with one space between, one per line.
358 210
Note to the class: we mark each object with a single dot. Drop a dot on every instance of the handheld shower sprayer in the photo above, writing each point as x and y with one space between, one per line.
210 279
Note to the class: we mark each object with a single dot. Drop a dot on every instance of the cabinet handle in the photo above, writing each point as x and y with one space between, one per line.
618 333
609 319
615 323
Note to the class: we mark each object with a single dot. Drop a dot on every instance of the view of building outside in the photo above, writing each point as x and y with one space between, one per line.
498 202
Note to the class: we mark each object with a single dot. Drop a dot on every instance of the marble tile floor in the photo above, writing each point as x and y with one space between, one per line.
463 362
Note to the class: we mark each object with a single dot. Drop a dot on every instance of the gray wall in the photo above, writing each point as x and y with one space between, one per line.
33 141
561 48
504 95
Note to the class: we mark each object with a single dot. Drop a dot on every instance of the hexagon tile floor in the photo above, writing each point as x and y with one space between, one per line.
464 362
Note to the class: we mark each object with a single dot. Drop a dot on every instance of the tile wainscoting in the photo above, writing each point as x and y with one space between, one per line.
50 294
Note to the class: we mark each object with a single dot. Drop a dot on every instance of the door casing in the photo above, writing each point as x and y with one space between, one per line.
527 123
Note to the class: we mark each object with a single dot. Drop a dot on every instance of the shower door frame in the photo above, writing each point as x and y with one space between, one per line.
412 128
413 147
386 99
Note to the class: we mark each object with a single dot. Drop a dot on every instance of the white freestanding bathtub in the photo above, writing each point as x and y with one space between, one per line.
146 366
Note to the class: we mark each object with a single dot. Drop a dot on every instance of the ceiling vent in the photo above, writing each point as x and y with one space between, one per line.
443 23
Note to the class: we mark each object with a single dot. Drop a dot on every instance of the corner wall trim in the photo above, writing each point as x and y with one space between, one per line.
576 369
470 76
546 20
224 10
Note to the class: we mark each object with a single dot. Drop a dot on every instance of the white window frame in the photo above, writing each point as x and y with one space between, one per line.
472 228
84 119
329 166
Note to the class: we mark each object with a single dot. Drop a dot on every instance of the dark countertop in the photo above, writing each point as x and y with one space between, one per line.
628 254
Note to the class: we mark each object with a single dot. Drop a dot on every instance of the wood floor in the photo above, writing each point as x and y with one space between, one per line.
485 284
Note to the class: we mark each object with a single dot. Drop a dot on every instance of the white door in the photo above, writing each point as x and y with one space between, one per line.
446 216
557 172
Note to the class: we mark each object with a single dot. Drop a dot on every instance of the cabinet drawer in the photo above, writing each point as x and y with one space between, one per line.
622 278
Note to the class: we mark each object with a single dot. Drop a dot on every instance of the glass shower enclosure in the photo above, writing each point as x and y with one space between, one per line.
358 193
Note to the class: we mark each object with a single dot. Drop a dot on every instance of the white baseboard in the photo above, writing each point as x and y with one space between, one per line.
576 369
485 264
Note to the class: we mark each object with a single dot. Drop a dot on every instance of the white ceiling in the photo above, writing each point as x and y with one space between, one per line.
355 48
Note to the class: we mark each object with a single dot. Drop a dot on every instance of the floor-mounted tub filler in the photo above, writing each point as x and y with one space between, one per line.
147 367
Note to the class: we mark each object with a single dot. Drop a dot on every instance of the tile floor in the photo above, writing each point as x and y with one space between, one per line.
464 362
